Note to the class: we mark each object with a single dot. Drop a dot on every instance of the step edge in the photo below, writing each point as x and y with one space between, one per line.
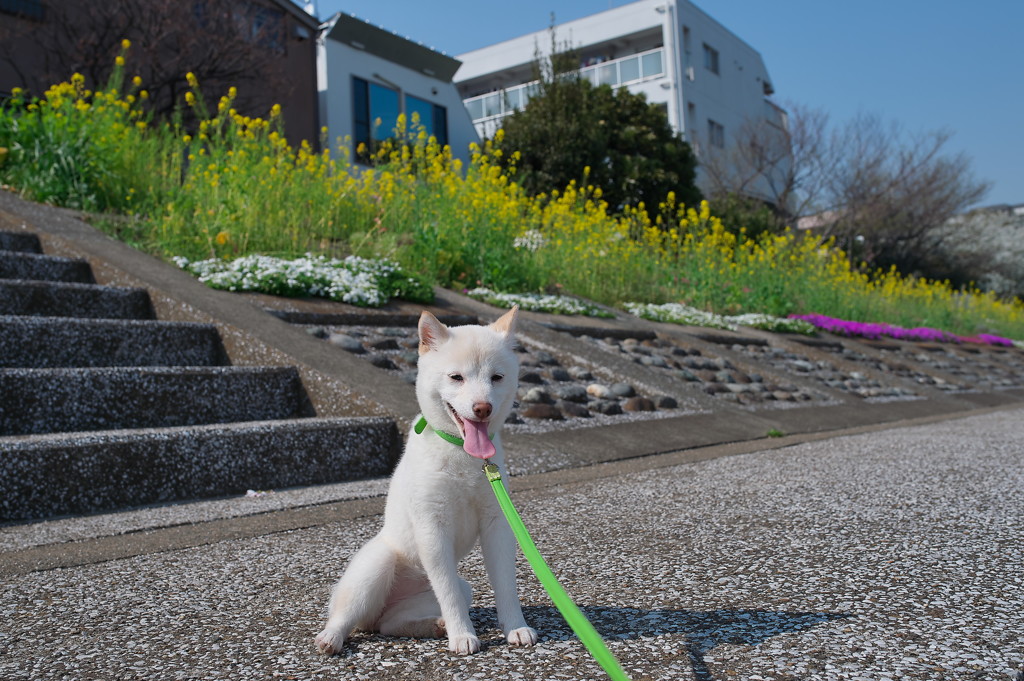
93 438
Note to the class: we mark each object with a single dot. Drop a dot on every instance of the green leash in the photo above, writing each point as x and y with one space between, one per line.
570 612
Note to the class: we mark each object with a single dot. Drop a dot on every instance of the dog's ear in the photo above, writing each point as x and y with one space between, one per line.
506 324
432 333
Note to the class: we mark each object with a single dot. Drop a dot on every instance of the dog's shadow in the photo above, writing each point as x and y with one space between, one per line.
702 630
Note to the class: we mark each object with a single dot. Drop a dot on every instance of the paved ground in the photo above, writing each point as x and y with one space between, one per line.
894 554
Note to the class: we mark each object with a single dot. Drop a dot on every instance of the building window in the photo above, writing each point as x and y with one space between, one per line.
375 112
29 9
710 58
267 28
716 134
433 117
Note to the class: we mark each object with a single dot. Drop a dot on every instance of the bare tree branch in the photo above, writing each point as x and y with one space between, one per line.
223 42
882 193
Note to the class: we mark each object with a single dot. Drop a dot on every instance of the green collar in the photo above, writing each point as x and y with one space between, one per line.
421 425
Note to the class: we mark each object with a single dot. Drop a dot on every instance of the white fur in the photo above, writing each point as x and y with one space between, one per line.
404 581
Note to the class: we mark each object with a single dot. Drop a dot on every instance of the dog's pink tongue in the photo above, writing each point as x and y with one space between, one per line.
476 442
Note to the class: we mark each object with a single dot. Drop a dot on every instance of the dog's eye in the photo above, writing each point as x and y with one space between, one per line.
456 377
496 378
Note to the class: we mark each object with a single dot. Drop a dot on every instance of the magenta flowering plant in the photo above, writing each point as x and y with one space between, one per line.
989 339
876 330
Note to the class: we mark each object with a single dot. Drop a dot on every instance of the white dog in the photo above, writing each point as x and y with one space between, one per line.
404 581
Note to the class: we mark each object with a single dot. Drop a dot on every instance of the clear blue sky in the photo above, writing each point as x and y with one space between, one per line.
927 64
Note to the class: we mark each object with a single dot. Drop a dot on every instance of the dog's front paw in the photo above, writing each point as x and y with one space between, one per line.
523 636
330 641
465 644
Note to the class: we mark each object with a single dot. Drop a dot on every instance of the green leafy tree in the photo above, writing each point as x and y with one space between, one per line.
569 125
747 216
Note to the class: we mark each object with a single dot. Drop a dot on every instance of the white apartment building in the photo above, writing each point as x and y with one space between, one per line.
710 82
367 76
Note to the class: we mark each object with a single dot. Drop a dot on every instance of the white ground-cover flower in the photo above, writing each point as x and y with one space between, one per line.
538 302
354 280
771 323
531 240
677 313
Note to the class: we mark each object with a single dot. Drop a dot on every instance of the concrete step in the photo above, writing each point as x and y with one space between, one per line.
20 241
33 266
60 299
42 476
46 342
67 400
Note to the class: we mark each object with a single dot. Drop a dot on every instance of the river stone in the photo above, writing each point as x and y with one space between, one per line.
606 407
638 404
622 390
654 361
531 377
599 391
382 362
580 373
537 396
346 342
573 409
545 357
686 375
384 344
538 410
560 374
573 393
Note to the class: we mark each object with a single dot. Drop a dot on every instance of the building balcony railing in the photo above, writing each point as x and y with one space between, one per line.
486 110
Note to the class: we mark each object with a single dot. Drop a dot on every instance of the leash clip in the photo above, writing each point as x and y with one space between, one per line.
492 472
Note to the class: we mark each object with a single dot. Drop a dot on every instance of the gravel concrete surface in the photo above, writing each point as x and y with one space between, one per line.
896 554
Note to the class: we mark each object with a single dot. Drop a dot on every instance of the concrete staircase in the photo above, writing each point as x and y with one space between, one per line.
102 406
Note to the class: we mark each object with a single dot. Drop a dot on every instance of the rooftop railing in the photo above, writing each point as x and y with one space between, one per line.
493 106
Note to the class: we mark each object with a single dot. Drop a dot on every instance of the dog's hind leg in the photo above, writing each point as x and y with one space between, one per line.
360 595
417 613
